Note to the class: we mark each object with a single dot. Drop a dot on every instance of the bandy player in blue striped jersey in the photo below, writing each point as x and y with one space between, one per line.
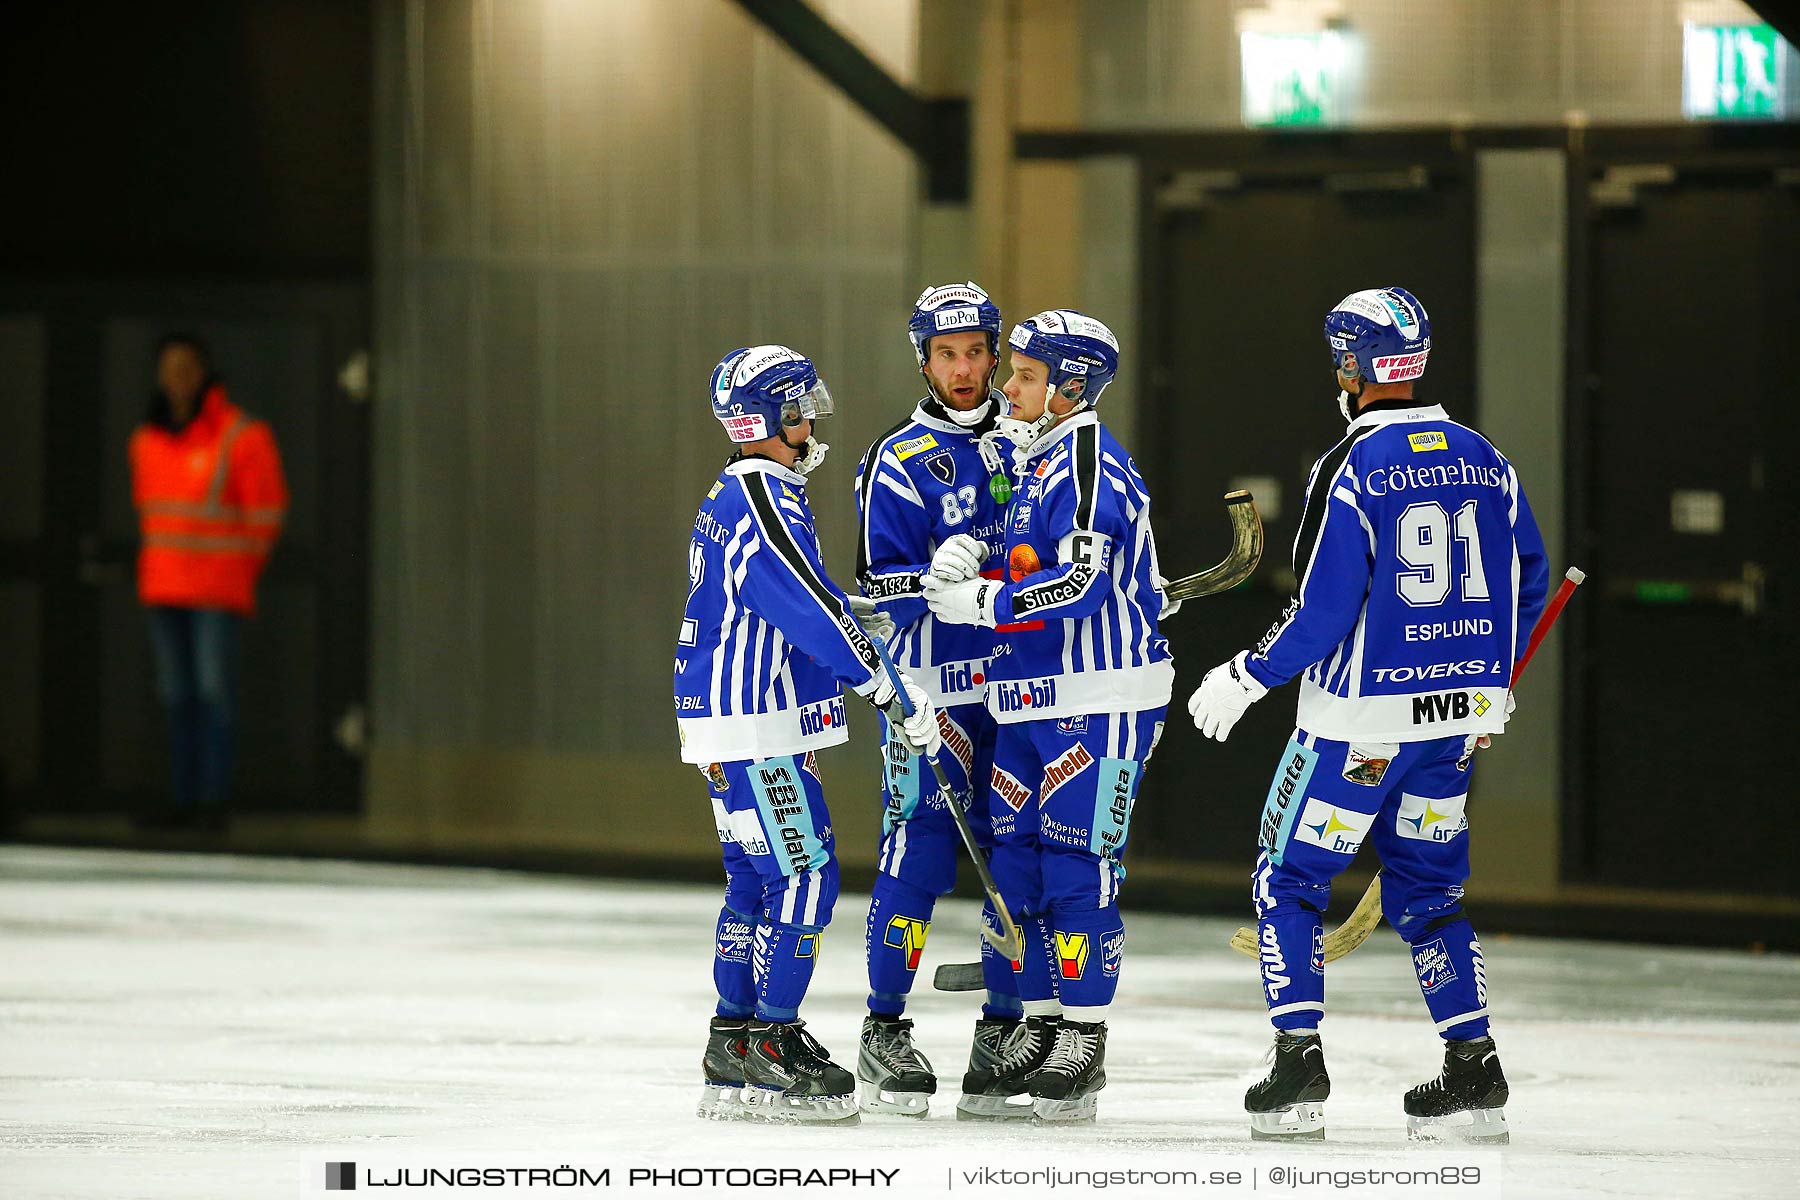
767 644
931 497
1421 573
1079 699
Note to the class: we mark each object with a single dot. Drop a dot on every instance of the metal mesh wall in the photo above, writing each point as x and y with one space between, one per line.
579 209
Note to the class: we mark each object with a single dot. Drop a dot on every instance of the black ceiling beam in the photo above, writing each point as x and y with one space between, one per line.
1782 15
935 130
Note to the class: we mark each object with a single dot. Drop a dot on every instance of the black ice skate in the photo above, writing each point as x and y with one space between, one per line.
893 1076
1006 1094
1290 1104
788 1077
722 1068
1064 1087
984 1059
1466 1102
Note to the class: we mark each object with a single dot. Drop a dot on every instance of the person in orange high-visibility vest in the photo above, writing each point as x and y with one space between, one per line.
206 479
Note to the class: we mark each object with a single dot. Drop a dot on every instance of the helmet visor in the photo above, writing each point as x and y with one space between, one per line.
802 403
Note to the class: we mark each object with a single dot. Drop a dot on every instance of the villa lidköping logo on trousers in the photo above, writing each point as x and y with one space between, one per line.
340 1177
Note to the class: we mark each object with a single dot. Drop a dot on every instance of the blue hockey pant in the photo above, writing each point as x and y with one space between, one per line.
920 850
1407 799
781 880
1061 795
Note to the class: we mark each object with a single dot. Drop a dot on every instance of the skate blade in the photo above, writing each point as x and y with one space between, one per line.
1479 1127
721 1102
777 1107
1061 1112
874 1099
994 1108
1303 1122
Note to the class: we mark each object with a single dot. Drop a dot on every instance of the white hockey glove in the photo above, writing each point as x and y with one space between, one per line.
920 731
968 603
1223 696
959 558
875 623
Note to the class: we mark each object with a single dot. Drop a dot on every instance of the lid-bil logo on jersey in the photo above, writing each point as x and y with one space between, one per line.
1071 954
817 718
1431 439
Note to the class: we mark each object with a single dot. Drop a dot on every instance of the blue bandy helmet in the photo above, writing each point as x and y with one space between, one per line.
1379 336
953 308
761 391
1082 356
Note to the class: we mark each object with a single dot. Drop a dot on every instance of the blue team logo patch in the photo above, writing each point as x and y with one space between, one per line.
1115 790
942 468
1112 953
1073 726
1285 796
1432 961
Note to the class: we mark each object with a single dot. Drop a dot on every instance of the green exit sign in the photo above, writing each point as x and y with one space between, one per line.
1737 72
1293 78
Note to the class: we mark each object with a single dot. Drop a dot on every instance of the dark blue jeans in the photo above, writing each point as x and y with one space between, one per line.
196 679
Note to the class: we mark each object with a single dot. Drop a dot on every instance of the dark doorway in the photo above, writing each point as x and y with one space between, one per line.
1240 272
84 733
1691 511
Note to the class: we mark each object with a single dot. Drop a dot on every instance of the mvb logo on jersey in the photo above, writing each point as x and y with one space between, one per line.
1448 706
1432 961
908 934
1009 789
955 678
1025 695
1112 953
1071 954
1065 767
1274 964
825 715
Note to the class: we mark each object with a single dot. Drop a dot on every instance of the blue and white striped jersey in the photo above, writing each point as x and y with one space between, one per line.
1081 559
920 484
766 638
1421 573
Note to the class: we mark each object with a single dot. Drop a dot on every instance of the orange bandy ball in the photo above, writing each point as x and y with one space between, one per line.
1022 562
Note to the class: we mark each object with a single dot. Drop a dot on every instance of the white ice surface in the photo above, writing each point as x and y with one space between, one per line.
170 1025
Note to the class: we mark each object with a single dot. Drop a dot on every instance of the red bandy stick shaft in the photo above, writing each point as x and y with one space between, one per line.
1572 580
